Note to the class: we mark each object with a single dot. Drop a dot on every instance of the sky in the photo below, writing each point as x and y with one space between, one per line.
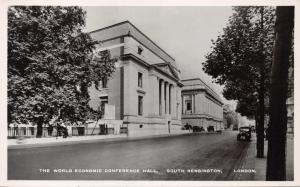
185 33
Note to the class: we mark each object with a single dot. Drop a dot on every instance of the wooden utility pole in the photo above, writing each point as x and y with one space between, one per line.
276 166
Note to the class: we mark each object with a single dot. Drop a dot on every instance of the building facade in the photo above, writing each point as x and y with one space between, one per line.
202 107
145 90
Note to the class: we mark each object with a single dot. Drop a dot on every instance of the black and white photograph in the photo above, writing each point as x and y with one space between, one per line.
150 93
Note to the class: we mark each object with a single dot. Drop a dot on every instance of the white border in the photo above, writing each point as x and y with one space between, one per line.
3 85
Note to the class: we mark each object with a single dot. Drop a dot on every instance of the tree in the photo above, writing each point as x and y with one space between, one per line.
230 116
276 168
51 64
241 59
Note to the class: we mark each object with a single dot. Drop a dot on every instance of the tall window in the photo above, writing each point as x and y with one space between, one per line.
103 102
188 104
140 80
104 82
140 105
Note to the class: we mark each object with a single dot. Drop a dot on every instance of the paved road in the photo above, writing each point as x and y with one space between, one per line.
169 158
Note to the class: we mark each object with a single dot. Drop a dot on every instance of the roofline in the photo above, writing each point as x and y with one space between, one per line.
110 26
166 62
171 67
219 100
191 79
150 39
150 66
209 88
202 82
123 22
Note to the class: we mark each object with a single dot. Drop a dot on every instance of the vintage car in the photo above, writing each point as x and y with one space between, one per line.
244 134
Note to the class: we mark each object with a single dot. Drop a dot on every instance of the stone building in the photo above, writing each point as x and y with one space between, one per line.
202 107
145 90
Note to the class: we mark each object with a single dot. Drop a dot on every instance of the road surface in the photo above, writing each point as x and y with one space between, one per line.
196 157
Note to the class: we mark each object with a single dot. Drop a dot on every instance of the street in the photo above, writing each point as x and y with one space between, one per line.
186 157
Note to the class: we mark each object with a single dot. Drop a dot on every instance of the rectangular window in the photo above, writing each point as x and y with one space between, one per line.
104 82
140 105
140 80
189 105
103 102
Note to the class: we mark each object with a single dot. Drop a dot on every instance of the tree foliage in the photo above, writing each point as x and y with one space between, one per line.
230 116
235 59
51 64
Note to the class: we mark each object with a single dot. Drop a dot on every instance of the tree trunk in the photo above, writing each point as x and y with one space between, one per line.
39 122
260 125
261 97
276 167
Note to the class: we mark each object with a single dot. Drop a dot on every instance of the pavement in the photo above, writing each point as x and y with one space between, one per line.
261 163
56 141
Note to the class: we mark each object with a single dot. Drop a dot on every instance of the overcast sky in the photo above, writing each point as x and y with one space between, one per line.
183 32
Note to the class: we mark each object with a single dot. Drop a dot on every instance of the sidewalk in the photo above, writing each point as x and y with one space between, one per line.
51 141
55 141
261 163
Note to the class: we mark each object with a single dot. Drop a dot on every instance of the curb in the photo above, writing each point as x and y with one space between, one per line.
110 139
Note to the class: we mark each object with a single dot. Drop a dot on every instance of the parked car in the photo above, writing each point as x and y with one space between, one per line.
210 128
197 129
187 127
244 134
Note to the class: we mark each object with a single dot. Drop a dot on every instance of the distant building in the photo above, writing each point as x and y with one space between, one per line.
145 90
201 106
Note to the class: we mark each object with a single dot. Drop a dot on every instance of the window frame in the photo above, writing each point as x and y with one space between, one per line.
140 80
140 105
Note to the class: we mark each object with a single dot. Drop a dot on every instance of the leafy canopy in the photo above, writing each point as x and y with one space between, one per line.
235 59
51 64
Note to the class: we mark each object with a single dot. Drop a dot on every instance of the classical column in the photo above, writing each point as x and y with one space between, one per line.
194 101
167 98
162 96
192 109
182 105
170 99
153 102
